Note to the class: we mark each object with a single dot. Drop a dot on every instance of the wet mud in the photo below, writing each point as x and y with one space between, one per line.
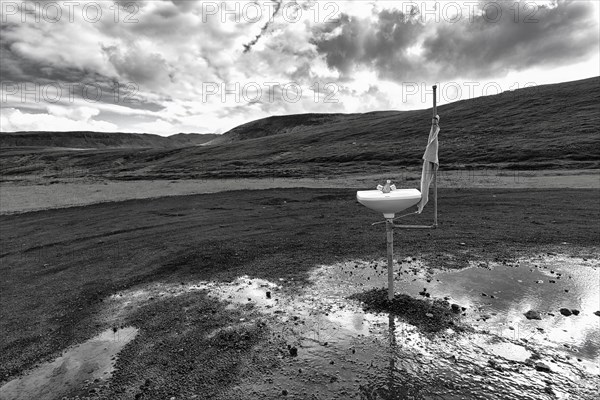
490 331
84 367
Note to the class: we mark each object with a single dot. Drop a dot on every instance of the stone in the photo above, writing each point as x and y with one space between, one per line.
540 366
566 312
531 314
575 312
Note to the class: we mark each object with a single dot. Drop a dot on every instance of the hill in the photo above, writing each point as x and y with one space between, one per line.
545 127
276 125
99 140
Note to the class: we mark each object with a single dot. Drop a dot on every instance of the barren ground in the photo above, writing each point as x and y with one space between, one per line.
59 267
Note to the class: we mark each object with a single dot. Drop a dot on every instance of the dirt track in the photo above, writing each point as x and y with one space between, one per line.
59 265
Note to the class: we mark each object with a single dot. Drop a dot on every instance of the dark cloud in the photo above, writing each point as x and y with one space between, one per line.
381 42
483 46
74 83
141 66
490 46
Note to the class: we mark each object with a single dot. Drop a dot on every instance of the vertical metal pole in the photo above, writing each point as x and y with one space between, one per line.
389 229
392 333
435 214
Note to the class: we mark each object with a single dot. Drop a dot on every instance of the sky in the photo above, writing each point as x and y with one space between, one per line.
170 66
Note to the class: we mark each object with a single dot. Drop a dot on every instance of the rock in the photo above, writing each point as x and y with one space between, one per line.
455 308
532 315
575 312
565 311
484 295
284 392
597 313
429 315
268 295
293 351
540 366
495 365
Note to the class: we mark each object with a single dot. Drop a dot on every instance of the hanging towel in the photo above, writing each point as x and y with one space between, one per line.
430 162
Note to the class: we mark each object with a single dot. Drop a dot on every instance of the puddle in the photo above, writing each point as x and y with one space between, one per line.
498 295
87 364
338 351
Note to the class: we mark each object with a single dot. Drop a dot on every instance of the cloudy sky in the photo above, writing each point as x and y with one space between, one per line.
183 66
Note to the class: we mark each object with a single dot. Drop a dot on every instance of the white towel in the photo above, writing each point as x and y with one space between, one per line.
430 163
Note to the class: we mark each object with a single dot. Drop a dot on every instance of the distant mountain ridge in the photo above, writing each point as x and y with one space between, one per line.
554 126
275 125
100 140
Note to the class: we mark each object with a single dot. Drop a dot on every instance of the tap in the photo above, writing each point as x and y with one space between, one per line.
387 188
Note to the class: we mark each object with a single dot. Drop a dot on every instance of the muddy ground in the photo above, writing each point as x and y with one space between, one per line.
60 268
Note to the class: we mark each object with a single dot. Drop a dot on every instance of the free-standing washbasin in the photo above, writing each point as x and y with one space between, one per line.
388 203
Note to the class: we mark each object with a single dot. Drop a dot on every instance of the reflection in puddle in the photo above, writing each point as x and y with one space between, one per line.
338 351
90 362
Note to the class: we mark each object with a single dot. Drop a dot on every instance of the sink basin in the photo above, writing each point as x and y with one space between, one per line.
388 203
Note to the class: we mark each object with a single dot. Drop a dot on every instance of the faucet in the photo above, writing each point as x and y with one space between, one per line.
387 188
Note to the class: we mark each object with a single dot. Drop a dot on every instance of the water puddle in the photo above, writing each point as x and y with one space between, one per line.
336 350
83 366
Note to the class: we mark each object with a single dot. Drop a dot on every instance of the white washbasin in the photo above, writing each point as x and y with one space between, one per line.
388 203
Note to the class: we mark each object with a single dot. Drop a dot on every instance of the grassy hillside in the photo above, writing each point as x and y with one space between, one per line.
99 140
551 126
277 125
